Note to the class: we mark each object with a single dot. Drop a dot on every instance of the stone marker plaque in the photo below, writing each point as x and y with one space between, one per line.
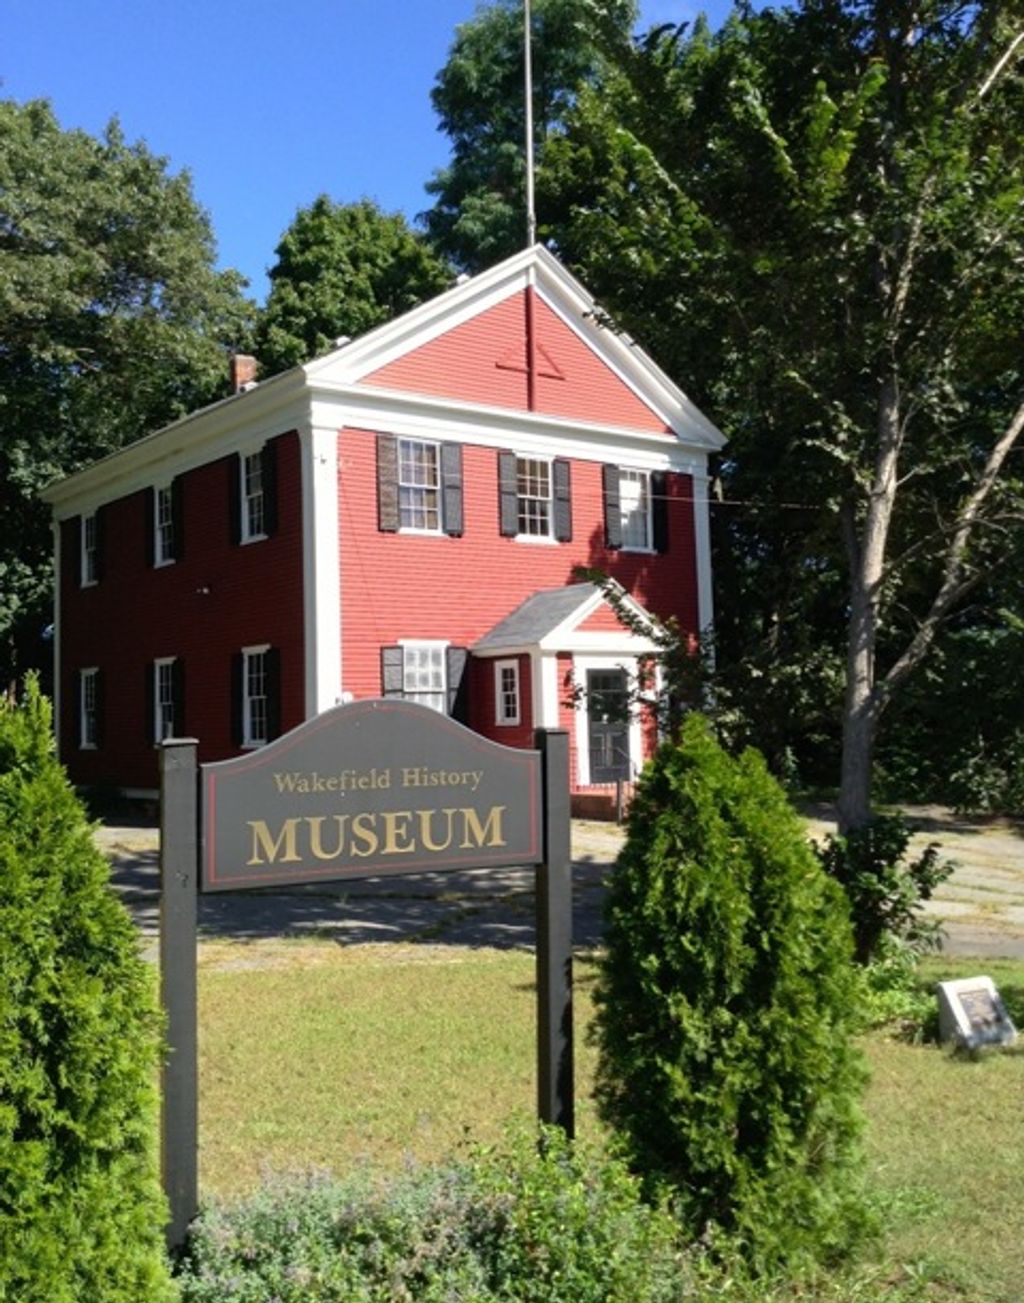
375 787
972 1014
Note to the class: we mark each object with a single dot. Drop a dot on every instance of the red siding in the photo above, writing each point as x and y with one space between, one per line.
219 598
601 620
407 586
483 709
484 361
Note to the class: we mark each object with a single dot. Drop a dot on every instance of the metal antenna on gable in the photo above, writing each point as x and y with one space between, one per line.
531 217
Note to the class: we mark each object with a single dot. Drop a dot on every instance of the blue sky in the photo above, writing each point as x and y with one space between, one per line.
267 104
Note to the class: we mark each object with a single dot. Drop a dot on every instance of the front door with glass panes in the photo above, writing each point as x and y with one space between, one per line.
608 725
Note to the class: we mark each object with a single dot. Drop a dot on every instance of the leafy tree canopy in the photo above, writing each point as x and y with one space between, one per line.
113 321
342 269
815 218
479 214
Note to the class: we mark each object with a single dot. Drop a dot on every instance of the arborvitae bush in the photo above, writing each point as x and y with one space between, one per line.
726 1003
81 1213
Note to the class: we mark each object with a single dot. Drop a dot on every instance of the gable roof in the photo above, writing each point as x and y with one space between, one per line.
551 618
560 292
333 389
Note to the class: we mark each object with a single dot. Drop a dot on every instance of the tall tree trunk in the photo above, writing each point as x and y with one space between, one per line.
866 554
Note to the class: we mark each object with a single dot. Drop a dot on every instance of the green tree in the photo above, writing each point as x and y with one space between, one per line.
479 213
816 217
112 322
342 269
80 1204
726 1007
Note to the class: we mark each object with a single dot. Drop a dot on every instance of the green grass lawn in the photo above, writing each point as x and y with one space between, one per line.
315 1055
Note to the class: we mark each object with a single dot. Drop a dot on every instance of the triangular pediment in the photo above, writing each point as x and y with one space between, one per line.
574 618
522 336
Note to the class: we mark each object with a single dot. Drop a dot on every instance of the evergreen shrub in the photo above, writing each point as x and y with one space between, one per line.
81 1213
727 999
533 1223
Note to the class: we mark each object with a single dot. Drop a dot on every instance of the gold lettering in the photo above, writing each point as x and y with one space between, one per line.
262 841
392 831
426 820
315 838
486 834
363 829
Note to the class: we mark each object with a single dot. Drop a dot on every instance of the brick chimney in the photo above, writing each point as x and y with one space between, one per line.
243 372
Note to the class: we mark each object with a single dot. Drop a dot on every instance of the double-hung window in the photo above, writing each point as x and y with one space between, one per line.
255 696
506 692
534 497
88 708
419 496
253 497
90 572
635 509
423 674
533 489
164 698
163 526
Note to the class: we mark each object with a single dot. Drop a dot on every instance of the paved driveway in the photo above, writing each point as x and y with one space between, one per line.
981 906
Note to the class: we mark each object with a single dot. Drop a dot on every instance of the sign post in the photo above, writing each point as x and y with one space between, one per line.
179 865
363 790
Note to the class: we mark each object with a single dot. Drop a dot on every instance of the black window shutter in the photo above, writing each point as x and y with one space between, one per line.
612 507
149 702
234 464
659 510
508 494
100 699
451 480
237 689
73 550
100 547
150 496
387 484
268 459
177 519
458 682
178 689
272 663
392 675
561 476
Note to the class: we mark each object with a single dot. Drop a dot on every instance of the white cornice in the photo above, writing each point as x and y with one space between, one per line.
241 421
327 392
415 415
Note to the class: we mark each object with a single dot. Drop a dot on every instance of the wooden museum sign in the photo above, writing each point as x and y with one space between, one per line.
363 790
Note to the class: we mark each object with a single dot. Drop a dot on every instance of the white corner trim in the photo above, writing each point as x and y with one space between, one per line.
544 689
321 569
57 633
702 549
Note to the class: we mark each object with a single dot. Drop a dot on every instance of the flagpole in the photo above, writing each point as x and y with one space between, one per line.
531 219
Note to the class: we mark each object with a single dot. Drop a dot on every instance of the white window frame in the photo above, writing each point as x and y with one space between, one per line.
535 536
506 696
163 525
251 738
87 708
628 512
163 723
436 652
88 540
413 496
253 504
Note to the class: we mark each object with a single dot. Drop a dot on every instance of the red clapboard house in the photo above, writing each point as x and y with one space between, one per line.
403 516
